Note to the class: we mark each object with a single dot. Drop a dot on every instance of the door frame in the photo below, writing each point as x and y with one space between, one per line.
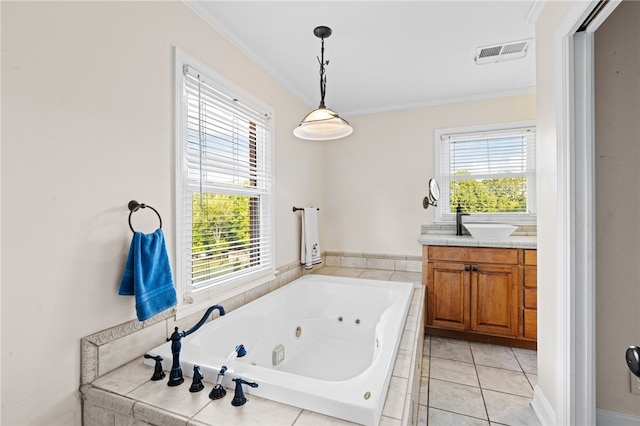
575 356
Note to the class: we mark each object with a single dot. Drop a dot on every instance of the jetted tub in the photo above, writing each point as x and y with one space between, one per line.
340 339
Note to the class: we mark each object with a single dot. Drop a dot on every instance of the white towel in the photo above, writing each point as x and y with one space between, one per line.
310 245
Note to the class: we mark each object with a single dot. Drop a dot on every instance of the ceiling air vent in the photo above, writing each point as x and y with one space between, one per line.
502 52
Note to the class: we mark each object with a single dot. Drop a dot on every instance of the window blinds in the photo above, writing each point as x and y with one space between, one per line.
227 190
489 172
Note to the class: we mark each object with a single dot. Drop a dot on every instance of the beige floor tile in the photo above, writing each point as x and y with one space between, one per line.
454 371
457 350
528 360
494 356
533 379
507 381
509 409
426 348
457 398
423 412
446 418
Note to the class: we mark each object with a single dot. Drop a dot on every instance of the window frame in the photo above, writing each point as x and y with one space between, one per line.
190 298
442 210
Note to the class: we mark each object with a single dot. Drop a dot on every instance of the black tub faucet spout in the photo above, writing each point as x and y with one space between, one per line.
175 376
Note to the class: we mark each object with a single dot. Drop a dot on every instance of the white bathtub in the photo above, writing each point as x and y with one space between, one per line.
340 338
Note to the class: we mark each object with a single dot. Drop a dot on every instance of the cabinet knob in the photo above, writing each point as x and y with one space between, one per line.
474 268
467 268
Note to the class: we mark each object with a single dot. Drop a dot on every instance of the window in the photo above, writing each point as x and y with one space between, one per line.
223 187
488 171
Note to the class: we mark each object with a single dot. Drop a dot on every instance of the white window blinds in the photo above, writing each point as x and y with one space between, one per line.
489 171
226 191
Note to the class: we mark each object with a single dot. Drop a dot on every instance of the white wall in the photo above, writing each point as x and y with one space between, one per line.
377 177
617 154
87 125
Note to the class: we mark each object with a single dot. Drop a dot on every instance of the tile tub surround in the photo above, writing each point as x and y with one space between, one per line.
126 395
384 262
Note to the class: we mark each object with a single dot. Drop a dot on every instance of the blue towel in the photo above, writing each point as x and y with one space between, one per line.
147 275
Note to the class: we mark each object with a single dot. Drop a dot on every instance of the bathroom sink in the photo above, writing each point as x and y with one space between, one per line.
490 231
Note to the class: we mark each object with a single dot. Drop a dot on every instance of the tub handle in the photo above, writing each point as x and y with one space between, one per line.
238 397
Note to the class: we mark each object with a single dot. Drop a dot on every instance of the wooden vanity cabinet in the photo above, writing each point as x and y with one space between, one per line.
480 293
530 295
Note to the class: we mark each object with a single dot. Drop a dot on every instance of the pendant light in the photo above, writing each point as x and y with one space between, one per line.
322 124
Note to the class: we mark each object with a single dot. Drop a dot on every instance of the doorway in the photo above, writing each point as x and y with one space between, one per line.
589 219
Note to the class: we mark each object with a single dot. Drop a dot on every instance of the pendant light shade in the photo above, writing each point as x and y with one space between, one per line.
323 123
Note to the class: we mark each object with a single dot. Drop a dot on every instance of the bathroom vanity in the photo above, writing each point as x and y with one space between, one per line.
481 290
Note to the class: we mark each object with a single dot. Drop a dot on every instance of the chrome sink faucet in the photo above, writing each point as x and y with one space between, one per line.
459 214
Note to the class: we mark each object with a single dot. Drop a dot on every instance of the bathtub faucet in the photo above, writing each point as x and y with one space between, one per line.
175 376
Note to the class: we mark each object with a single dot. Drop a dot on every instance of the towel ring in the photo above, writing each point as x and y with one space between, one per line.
134 206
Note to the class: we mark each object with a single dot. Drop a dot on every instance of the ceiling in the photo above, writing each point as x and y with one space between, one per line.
384 55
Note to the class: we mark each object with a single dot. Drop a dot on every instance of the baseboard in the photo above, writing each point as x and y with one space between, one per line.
614 418
542 408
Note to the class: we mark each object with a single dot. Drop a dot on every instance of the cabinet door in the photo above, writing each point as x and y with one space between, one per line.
448 295
494 299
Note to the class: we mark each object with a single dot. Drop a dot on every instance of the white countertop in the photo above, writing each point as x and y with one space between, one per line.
515 241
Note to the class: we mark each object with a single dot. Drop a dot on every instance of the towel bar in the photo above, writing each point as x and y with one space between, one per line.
295 209
134 206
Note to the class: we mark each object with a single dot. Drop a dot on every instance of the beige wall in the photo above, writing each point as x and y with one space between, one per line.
376 178
87 125
617 126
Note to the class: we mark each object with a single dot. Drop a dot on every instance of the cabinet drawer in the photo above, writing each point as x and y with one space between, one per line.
530 330
474 255
531 257
530 277
531 298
